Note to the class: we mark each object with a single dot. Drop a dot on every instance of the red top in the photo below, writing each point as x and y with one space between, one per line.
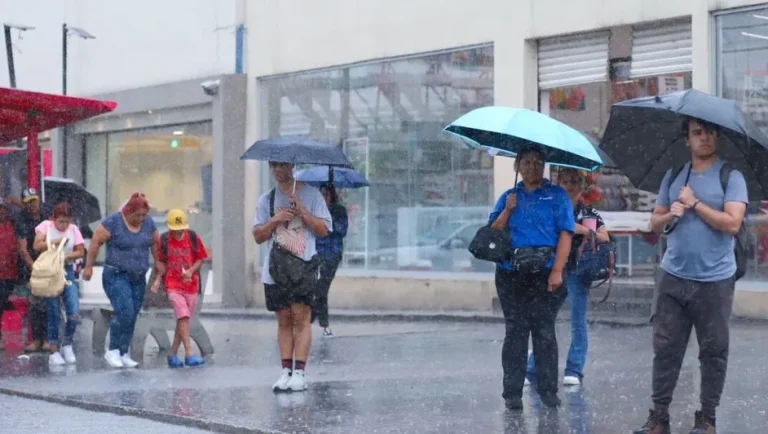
181 256
8 252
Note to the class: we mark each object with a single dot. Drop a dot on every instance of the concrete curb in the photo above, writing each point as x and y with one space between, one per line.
468 317
136 412
458 317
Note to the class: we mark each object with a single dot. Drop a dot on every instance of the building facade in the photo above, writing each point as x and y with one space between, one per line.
380 79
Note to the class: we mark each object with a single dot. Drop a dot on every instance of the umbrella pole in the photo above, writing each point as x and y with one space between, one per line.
671 226
33 161
330 175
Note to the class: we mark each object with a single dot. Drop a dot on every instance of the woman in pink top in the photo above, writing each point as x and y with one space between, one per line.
59 227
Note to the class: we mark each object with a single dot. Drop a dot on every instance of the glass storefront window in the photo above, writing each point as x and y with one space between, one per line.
428 191
742 76
587 107
171 165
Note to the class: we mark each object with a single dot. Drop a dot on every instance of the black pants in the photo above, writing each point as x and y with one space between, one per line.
6 289
328 268
529 310
679 305
37 318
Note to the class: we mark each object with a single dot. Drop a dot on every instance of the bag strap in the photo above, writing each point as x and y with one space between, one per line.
725 175
272 203
164 246
62 243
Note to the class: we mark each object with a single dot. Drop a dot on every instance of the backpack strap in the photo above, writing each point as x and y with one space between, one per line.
164 246
193 241
272 203
675 173
725 175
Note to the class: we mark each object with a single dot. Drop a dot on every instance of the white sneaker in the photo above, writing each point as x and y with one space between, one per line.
113 358
128 362
569 380
282 382
55 359
69 354
297 383
527 382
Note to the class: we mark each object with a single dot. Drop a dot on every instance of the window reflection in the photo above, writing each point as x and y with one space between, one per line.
742 76
388 116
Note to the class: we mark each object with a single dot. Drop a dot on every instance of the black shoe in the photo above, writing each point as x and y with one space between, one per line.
550 400
514 403
703 424
657 423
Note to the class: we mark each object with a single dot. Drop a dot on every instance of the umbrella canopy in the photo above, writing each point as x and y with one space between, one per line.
85 206
509 130
297 150
644 137
342 177
23 112
607 160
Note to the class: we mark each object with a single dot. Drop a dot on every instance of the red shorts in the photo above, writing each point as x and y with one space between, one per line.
183 304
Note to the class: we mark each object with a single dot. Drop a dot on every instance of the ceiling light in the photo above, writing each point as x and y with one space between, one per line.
752 35
178 133
762 17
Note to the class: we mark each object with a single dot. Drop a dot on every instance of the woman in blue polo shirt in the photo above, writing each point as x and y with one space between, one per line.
539 217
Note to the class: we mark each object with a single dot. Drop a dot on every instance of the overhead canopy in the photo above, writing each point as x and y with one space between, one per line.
24 112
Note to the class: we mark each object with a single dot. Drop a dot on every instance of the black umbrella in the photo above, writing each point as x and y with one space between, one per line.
297 150
644 138
85 206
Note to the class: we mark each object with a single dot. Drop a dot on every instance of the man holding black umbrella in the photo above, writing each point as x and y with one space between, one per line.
696 282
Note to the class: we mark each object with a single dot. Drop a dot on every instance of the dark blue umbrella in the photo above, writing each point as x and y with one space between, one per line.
341 177
297 150
644 138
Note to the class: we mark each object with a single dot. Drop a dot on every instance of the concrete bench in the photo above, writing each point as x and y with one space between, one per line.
155 319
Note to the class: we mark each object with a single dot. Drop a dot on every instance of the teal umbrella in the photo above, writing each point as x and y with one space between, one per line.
507 131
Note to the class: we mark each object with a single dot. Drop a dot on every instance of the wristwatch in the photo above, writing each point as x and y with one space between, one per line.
695 204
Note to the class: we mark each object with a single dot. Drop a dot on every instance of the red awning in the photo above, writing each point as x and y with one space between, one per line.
23 112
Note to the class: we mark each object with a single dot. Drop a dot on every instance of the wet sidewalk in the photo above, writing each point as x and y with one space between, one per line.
385 377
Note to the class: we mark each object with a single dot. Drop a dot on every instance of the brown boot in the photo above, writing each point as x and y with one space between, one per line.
33 347
704 423
48 348
658 423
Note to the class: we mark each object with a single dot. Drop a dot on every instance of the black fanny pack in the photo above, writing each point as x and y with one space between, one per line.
531 260
291 272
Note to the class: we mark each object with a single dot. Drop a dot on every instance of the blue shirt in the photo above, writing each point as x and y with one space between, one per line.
126 250
333 244
695 250
539 217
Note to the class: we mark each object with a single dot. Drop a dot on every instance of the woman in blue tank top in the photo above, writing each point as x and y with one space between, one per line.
130 237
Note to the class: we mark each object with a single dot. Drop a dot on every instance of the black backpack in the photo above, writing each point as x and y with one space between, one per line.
193 240
741 244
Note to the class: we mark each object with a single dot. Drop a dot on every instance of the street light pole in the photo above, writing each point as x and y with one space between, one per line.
65 31
64 59
9 53
7 27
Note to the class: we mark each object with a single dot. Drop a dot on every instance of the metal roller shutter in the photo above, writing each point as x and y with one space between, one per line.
572 60
658 50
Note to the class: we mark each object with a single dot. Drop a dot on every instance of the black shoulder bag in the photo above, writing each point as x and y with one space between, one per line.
288 270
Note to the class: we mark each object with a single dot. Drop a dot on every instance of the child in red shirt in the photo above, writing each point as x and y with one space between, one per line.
181 280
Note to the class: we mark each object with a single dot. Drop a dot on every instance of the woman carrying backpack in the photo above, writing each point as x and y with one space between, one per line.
60 228
587 219
330 249
130 237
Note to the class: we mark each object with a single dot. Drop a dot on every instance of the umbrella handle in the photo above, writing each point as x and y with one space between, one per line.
671 226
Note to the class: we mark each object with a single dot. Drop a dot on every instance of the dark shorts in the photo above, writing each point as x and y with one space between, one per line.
279 298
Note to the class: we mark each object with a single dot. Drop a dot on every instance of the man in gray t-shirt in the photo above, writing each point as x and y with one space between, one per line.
696 281
300 216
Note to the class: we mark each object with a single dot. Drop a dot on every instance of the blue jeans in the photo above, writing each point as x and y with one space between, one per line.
71 297
125 290
577 354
